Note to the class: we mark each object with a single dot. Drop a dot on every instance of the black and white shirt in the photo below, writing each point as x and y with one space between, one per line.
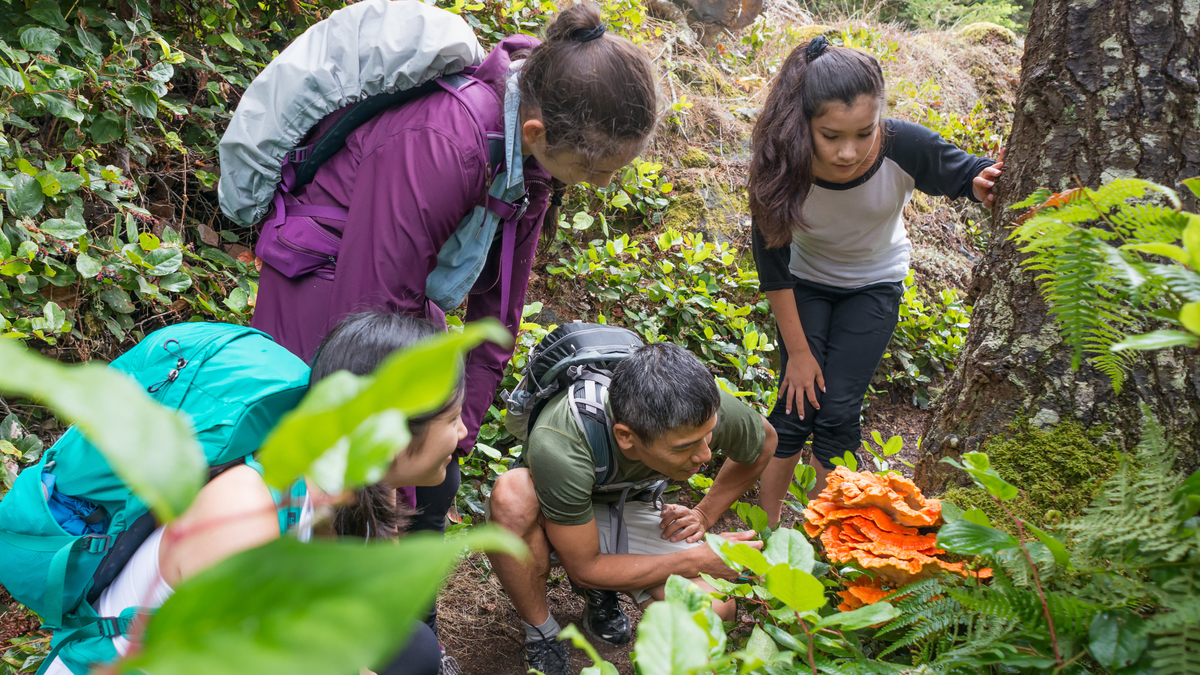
855 234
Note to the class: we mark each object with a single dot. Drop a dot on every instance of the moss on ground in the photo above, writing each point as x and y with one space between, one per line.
984 32
1059 470
685 212
695 158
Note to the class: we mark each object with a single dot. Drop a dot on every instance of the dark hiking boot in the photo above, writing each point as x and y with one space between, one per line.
547 656
602 616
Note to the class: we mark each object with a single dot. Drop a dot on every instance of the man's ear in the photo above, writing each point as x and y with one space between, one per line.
533 132
625 436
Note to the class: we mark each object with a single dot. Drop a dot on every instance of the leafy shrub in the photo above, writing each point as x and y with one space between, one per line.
926 342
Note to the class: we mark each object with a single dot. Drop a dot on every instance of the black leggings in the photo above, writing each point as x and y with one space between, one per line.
422 656
848 331
432 505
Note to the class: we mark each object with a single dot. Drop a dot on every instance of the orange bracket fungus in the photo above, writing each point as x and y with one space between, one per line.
876 521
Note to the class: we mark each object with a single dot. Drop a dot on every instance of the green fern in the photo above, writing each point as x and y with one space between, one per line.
1176 646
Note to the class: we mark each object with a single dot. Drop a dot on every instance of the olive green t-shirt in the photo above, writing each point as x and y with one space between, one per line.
564 471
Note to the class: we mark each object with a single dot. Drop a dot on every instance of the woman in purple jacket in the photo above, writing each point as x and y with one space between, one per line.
411 174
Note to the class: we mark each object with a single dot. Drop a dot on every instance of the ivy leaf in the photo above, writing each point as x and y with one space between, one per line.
163 261
90 42
11 79
118 299
48 13
38 39
161 71
861 618
60 106
967 538
25 199
150 448
259 611
789 547
175 282
87 266
670 641
144 101
63 229
799 590
106 128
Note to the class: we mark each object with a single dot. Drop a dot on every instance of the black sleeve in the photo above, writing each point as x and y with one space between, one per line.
773 264
937 167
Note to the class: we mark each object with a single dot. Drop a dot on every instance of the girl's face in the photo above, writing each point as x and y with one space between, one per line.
569 167
844 138
424 461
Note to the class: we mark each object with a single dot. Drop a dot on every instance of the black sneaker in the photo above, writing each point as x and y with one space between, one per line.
547 656
602 616
449 665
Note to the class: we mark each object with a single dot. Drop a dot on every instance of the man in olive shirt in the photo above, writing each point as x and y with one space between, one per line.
667 417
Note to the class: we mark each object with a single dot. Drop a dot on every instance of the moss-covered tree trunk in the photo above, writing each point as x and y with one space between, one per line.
1108 90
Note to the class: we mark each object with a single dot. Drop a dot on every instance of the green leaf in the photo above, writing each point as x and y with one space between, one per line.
753 516
163 261
5 246
144 101
148 241
685 592
1061 557
48 13
25 199
670 642
784 638
321 608
237 300
1189 316
362 457
746 556
106 128
1193 184
789 547
797 589
118 299
1191 240
870 615
1158 248
1159 339
980 468
38 39
1117 639
414 381
967 538
11 79
63 229
160 72
950 512
54 316
150 448
761 646
87 266
233 41
975 515
90 42
175 282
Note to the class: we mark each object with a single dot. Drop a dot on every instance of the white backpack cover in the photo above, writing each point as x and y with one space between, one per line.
369 48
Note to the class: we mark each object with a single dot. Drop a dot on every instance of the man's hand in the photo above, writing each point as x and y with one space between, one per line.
679 523
983 183
712 565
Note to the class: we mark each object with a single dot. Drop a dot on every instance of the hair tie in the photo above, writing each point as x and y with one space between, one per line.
816 47
587 34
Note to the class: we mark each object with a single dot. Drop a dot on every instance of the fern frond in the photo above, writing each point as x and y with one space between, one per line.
1070 615
1176 646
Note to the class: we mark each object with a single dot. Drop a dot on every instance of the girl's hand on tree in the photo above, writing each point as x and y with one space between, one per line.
983 183
801 380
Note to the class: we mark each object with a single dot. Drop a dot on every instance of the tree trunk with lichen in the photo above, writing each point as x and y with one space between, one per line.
1108 90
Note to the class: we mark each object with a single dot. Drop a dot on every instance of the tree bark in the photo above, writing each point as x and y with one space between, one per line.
1108 90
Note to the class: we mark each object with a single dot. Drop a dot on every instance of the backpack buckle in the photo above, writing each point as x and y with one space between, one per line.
96 543
110 626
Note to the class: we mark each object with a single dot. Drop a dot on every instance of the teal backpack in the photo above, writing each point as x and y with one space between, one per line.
69 525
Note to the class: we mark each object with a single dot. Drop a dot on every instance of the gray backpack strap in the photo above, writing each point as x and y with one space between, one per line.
587 398
616 524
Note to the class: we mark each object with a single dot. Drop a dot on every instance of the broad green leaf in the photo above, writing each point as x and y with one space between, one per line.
980 468
414 381
950 512
1191 240
797 589
38 39
1159 339
47 12
118 299
60 106
599 666
967 538
161 71
106 128
789 547
148 241
54 316
685 592
90 42
163 261
870 615
322 608
1189 316
1193 184
753 516
1061 557
175 282
70 182
11 79
1158 248
150 448
233 41
718 545
746 556
25 198
669 641
975 515
761 646
784 638
5 246
1117 639
237 300
143 100
363 457
49 183
63 229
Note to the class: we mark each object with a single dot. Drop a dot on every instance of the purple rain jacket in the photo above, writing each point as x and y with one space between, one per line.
408 177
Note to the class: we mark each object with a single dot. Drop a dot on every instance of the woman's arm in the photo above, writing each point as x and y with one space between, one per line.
936 166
